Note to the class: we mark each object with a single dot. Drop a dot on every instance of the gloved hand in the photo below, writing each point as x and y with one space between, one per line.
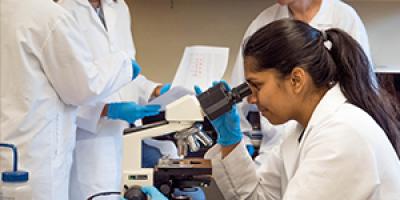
250 148
227 125
130 111
136 69
165 88
153 193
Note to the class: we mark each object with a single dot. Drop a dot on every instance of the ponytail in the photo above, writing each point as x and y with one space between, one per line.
354 76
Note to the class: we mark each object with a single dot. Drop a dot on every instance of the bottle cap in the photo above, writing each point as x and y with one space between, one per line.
15 176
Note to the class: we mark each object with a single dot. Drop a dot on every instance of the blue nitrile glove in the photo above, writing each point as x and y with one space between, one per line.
165 88
153 193
227 125
136 69
250 148
130 111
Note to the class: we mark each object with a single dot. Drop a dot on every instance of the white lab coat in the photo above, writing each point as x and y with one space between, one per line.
98 152
46 71
343 154
332 14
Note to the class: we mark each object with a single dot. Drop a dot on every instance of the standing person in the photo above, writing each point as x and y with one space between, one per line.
97 157
46 72
347 141
320 14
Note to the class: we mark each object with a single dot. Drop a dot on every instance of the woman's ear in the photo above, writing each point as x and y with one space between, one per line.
297 80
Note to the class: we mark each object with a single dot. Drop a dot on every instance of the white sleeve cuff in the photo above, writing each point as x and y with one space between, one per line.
236 174
89 116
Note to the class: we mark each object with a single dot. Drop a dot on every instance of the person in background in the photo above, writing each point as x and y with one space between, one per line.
320 14
97 157
47 71
320 79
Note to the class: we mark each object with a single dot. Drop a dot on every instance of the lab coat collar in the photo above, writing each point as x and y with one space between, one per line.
291 150
84 3
110 15
283 12
87 4
328 105
321 21
109 2
324 18
332 100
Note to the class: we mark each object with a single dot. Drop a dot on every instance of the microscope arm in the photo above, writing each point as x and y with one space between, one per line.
180 115
132 152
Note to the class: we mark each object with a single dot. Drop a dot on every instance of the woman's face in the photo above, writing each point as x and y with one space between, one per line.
271 93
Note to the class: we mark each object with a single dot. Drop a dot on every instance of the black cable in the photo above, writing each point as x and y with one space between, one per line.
103 194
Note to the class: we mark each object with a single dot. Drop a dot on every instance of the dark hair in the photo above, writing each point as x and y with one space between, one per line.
286 44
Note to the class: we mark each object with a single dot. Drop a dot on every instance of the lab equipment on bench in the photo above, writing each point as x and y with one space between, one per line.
176 121
15 184
219 99
180 118
179 177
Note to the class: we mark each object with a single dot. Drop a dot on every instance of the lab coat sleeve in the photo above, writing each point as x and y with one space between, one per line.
88 117
70 68
338 164
273 135
237 177
139 91
145 88
355 27
359 33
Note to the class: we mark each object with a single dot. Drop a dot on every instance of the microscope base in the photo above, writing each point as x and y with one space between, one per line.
142 177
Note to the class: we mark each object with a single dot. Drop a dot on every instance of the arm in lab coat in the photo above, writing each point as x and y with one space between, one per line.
337 163
334 164
89 116
139 91
143 88
70 68
354 26
238 178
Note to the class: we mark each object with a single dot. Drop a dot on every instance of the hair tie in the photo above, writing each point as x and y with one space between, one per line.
326 42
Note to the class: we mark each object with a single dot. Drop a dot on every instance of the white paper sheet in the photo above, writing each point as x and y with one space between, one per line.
170 96
201 65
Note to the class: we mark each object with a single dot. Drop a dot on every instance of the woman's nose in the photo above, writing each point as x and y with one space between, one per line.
252 98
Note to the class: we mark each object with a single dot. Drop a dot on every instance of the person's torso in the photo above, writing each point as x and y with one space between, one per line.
332 14
104 39
31 111
386 173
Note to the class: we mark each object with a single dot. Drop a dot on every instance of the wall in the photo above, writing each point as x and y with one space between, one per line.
162 30
382 21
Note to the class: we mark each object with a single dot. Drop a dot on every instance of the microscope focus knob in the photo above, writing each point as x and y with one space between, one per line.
135 193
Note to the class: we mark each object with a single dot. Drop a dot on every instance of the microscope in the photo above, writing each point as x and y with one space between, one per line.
182 118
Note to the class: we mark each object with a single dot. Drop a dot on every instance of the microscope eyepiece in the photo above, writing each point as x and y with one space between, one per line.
218 100
240 92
